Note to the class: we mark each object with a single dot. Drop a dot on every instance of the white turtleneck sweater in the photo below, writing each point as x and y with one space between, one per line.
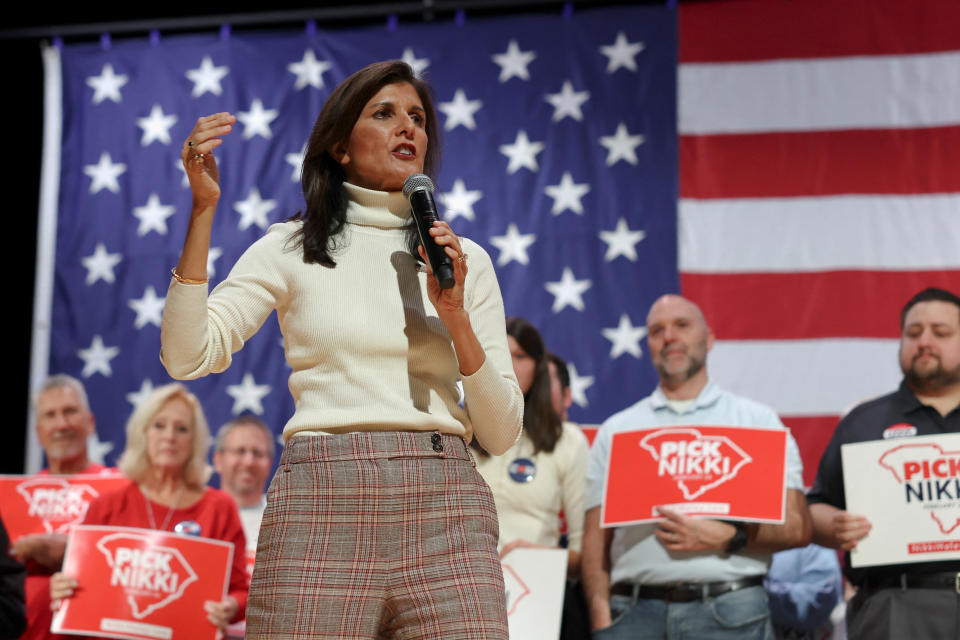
367 349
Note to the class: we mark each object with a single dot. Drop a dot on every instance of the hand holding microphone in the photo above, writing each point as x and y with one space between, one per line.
446 289
418 189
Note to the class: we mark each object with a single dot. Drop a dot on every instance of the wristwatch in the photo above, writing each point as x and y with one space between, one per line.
739 539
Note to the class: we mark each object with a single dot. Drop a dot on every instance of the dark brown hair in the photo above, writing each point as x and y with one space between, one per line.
563 372
322 178
929 294
540 421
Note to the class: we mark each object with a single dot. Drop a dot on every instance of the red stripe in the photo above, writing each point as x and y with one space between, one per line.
831 304
748 30
812 434
898 161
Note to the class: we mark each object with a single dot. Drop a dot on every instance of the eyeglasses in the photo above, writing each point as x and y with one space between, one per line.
241 452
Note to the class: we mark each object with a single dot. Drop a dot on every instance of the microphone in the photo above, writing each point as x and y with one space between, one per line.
418 189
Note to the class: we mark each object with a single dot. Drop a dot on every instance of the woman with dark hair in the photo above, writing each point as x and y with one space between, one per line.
544 473
377 523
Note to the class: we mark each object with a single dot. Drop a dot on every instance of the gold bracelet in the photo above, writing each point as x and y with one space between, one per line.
180 278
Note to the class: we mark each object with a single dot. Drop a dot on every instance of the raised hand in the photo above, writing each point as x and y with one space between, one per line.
198 159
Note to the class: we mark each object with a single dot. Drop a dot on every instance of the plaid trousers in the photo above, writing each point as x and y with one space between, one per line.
378 535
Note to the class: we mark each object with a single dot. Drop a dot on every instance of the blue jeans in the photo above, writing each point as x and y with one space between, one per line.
737 615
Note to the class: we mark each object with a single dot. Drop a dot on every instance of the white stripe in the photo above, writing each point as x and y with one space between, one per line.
920 90
46 240
825 233
806 377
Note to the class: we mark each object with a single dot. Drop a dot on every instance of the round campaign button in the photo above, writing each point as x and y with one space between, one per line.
522 470
899 430
188 528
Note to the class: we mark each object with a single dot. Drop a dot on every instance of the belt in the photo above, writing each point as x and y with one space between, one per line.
683 591
941 580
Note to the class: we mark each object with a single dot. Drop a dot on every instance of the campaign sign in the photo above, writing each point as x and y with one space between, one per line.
733 473
51 504
534 580
909 488
142 583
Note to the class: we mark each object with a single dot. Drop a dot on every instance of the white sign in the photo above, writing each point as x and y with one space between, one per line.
535 581
909 488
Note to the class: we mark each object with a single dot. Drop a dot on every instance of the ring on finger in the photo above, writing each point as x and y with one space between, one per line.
462 258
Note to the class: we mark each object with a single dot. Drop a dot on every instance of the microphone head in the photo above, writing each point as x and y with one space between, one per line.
417 182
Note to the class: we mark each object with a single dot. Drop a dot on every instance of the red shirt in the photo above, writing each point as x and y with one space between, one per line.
93 468
37 585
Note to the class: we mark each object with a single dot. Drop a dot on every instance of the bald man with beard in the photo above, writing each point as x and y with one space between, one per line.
684 577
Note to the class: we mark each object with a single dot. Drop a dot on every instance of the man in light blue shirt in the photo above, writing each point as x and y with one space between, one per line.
684 577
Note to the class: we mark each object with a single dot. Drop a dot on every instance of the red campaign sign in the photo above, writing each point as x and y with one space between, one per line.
51 504
734 473
142 583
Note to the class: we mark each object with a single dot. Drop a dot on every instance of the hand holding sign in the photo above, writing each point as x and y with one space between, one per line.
61 586
684 533
221 613
848 529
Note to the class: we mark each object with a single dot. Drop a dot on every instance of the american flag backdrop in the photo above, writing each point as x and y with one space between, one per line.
559 139
791 166
819 189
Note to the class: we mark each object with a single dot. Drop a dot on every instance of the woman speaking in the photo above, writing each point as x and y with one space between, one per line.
377 523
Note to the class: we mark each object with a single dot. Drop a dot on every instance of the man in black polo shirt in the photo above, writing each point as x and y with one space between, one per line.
918 601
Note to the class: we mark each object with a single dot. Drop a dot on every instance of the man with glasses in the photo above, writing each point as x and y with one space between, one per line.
243 457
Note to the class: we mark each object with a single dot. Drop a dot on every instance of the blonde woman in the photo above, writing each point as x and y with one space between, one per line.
166 462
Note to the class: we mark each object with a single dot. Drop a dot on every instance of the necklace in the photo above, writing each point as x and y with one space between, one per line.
166 520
